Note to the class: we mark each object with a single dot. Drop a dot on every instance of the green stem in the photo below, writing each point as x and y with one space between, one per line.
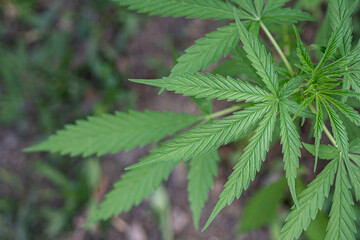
328 134
278 49
225 111
326 130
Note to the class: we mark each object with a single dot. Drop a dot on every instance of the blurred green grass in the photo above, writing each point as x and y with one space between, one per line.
60 57
58 63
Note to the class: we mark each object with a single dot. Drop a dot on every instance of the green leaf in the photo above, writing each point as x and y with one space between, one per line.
303 105
348 111
291 145
303 54
342 216
294 108
211 86
354 174
327 152
286 15
114 133
356 159
338 130
244 64
317 228
333 44
208 137
355 84
247 5
272 5
339 12
202 171
202 9
237 66
207 50
229 68
254 28
311 201
260 58
249 163
132 188
256 213
355 146
292 85
340 92
205 105
259 5
272 11
354 130
318 129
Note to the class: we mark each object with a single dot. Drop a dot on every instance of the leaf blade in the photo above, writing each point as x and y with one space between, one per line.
208 137
311 201
114 133
260 58
183 8
211 86
207 50
131 189
249 163
202 171
290 141
342 217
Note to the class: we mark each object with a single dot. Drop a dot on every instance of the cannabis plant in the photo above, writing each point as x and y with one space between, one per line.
267 93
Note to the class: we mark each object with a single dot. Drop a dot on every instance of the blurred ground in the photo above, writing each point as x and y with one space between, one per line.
64 60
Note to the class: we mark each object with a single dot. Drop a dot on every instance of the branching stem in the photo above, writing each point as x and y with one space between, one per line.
225 111
292 73
326 130
278 49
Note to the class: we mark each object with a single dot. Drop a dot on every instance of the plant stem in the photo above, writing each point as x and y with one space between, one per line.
278 49
328 134
326 130
225 111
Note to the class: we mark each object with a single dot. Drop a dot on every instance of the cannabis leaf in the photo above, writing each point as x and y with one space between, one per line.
202 170
184 8
291 145
259 57
333 44
207 50
348 111
339 11
354 174
244 65
326 152
114 133
208 137
286 15
271 11
211 86
316 91
302 53
249 163
143 178
311 201
318 129
338 129
256 214
133 187
342 216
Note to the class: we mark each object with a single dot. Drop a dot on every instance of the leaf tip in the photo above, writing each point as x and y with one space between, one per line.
36 148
